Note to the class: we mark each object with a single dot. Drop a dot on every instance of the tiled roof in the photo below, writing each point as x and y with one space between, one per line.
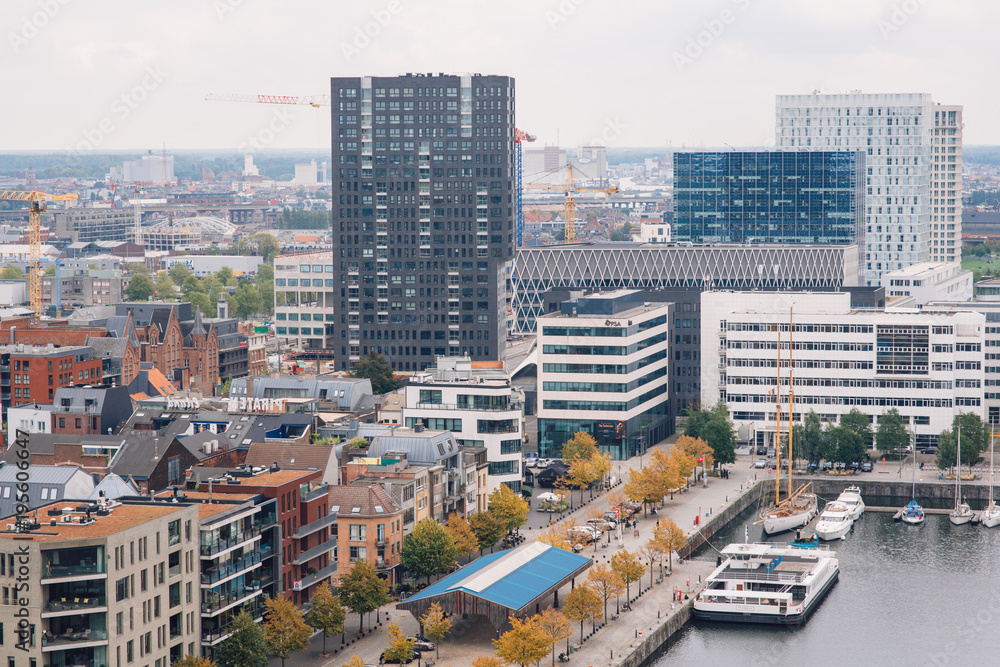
290 456
367 499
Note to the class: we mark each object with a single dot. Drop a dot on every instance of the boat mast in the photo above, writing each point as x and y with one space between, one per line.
791 401
777 426
958 467
913 454
991 467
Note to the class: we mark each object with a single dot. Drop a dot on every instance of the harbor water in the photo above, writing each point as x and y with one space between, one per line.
907 595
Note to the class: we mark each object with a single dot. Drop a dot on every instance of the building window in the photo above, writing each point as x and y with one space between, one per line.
358 553
357 532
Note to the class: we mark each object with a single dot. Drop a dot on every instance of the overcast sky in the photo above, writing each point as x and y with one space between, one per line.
127 74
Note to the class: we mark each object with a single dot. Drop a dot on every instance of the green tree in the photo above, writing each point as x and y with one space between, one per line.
363 591
246 301
265 274
974 441
284 630
809 438
326 613
358 442
226 276
376 368
844 445
11 272
508 507
165 288
140 288
135 268
891 437
263 244
860 423
201 300
488 529
51 271
180 272
245 647
436 626
716 428
428 549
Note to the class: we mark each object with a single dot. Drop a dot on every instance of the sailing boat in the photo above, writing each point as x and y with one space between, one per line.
962 512
913 514
991 515
797 509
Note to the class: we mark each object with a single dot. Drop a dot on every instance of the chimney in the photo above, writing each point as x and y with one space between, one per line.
249 386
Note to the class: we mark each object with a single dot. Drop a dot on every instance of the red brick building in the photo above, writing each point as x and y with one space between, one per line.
36 372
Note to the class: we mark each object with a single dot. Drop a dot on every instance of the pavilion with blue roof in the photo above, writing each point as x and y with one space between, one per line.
507 583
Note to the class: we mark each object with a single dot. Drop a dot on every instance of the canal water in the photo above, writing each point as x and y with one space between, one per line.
907 595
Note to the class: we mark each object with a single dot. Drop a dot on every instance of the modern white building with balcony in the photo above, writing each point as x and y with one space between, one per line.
476 402
303 300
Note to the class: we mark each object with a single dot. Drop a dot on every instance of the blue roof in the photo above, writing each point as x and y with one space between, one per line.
511 578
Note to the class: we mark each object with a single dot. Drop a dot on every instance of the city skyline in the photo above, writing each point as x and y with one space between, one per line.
578 80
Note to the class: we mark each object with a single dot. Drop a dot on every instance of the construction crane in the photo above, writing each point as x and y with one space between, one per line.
37 202
318 101
569 209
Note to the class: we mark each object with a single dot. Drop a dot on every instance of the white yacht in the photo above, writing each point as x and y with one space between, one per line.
852 498
962 514
990 516
835 521
767 583
789 514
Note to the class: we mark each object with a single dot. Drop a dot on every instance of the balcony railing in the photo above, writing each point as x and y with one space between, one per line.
311 528
222 601
308 581
223 544
220 572
210 633
511 407
74 639
313 494
78 570
318 550
74 604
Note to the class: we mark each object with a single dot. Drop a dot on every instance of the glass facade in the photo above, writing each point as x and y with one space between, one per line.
768 197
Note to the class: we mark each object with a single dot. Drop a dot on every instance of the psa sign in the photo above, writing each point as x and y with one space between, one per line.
610 430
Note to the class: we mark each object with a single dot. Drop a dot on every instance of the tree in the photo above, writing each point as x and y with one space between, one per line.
628 566
263 244
523 644
644 486
51 271
973 441
355 662
193 661
860 423
487 661
649 553
363 591
358 442
510 509
487 528
245 647
226 276
165 287
810 439
555 626
400 648
246 301
606 582
582 604
201 301
428 549
462 535
436 626
140 288
284 630
720 434
697 449
844 445
265 274
180 272
668 537
326 613
376 368
580 446
890 435
581 474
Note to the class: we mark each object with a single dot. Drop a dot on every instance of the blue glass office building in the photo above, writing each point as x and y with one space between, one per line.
769 197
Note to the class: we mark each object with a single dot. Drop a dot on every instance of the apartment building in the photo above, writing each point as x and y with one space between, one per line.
369 527
900 134
603 368
31 374
83 225
408 485
304 300
98 288
423 216
928 281
478 405
105 583
927 365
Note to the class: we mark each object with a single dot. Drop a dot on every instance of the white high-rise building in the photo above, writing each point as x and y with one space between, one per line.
897 132
946 184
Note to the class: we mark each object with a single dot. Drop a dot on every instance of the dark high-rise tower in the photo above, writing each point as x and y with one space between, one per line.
423 216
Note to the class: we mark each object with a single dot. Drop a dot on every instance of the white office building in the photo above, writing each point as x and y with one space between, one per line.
927 365
927 281
604 369
303 300
907 188
475 401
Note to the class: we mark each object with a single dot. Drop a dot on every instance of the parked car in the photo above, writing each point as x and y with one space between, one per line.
602 524
854 465
827 465
840 465
542 464
609 515
421 645
761 463
929 450
866 466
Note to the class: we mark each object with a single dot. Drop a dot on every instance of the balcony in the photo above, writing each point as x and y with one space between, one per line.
74 606
318 550
308 581
212 633
76 631
216 602
70 564
228 569
212 548
510 407
311 528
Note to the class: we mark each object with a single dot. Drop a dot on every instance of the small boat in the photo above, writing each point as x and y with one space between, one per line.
962 513
835 521
991 515
912 513
767 583
805 539
852 498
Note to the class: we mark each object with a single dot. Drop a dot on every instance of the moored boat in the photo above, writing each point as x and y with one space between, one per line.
851 497
835 521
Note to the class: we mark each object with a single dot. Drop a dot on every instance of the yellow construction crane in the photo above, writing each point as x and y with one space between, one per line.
37 200
569 210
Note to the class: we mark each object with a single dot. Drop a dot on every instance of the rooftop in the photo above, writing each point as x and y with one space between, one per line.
122 517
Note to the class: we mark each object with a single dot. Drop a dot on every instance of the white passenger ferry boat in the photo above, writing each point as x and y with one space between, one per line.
767 583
